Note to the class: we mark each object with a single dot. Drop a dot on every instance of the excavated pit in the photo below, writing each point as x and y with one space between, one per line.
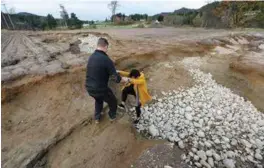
47 119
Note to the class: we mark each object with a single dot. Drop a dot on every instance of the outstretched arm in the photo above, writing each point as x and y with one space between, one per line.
136 81
112 71
123 73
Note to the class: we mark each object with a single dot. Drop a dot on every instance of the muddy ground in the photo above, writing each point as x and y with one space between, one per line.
47 114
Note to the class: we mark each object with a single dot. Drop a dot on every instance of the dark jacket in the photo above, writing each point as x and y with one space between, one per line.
99 68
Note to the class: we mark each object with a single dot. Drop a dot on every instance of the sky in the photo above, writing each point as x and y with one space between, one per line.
97 9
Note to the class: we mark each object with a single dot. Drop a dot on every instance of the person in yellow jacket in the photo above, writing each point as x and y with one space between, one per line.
136 86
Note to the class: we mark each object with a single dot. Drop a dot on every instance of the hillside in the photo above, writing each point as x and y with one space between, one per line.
184 11
26 21
225 14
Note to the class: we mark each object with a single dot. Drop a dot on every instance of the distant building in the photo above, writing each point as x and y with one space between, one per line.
117 19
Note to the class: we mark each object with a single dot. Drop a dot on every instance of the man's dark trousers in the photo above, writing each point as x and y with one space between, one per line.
107 97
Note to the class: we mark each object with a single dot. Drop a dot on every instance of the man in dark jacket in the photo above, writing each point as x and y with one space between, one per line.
99 68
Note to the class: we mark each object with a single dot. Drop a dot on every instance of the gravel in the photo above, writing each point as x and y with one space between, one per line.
213 126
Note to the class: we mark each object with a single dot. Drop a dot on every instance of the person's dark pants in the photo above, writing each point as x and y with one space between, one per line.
107 97
130 90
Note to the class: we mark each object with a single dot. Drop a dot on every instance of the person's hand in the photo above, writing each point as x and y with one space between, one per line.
125 80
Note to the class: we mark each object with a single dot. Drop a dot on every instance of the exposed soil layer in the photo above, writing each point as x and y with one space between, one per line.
47 117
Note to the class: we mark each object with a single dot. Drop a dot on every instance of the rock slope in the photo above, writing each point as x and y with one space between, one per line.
215 127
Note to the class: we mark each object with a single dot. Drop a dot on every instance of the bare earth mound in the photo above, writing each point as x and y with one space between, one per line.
47 114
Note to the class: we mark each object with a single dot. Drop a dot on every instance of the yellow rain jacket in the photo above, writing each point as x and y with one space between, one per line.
141 84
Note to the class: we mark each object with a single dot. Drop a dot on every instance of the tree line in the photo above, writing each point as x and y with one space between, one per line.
224 14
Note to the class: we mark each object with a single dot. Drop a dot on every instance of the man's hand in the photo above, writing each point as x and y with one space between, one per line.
125 80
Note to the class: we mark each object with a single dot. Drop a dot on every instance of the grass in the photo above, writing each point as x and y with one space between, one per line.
107 25
254 29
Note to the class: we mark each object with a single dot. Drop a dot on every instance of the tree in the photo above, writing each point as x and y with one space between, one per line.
51 22
160 18
145 17
64 14
12 11
74 22
137 17
113 5
121 16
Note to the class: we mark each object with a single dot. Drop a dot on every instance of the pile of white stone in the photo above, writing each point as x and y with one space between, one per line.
89 43
213 126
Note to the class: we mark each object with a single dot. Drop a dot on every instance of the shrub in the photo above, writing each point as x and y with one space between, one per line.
93 26
124 23
140 25
155 25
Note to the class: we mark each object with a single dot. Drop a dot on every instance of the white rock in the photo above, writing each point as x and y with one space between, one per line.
171 138
194 150
202 154
229 163
188 116
209 153
195 157
216 157
260 166
198 164
181 144
153 130
196 124
208 144
233 142
167 166
250 158
160 105
259 143
176 139
211 161
261 46
204 163
182 135
183 156
191 154
260 122
258 156
226 139
191 131
217 141
188 109
201 121
245 143
200 134
230 154
170 106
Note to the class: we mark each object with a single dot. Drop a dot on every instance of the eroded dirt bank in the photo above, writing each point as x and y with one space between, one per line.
47 120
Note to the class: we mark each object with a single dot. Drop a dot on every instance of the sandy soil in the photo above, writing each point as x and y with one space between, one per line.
47 114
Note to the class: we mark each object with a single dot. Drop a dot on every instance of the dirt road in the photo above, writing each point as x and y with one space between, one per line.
46 112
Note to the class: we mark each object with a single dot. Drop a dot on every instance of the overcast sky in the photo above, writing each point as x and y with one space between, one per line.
97 9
